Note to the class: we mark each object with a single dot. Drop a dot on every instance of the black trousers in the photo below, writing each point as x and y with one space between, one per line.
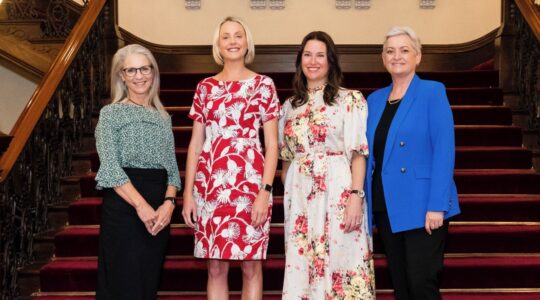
415 259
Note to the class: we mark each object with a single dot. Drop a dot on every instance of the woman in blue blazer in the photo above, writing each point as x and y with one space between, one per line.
410 188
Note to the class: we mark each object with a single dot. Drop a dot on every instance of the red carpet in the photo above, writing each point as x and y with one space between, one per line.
493 249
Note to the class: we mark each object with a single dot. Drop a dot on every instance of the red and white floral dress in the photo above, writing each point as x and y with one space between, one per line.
230 166
322 261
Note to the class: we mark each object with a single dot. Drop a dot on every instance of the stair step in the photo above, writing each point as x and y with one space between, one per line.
461 271
503 181
456 96
461 294
468 181
494 157
488 135
463 115
466 158
22 29
467 237
474 207
483 78
465 135
482 115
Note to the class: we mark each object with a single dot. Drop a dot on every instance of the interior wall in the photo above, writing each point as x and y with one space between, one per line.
168 22
16 91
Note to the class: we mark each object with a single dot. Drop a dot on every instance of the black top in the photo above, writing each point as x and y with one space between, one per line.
381 133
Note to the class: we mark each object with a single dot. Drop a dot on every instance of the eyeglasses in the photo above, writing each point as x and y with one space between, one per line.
145 70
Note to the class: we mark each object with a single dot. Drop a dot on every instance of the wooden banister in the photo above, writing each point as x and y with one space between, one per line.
531 14
41 97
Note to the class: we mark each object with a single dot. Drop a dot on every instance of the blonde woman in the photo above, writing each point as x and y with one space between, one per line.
139 177
227 199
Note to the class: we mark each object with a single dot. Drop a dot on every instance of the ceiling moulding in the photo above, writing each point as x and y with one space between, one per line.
257 4
362 4
293 49
276 4
343 4
262 4
193 4
358 4
427 4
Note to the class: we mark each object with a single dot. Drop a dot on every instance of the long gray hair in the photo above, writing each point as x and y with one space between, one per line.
118 88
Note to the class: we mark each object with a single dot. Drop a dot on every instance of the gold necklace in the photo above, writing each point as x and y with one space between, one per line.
317 88
394 101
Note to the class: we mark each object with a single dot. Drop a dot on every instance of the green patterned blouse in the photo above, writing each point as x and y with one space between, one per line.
129 136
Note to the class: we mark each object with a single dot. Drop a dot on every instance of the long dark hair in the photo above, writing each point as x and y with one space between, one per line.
335 76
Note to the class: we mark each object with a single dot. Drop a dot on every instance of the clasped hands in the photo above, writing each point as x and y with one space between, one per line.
155 220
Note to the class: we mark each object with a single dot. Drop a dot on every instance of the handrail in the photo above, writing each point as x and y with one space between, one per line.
531 14
41 97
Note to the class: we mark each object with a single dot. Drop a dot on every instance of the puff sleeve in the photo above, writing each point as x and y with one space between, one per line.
285 152
355 112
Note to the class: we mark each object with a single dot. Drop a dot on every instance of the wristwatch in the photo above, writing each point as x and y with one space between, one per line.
267 187
172 199
360 193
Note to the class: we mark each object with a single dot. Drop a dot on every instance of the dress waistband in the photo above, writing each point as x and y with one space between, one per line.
326 153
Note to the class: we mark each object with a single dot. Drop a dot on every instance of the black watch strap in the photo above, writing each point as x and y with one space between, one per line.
267 187
172 199
360 193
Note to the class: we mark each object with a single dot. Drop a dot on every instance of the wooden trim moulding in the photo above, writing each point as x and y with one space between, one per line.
531 13
130 38
21 64
40 99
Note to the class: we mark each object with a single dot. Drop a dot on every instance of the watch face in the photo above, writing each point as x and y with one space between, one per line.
361 193
268 187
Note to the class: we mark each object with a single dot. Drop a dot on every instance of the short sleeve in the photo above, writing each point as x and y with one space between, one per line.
285 152
110 173
271 105
355 122
196 112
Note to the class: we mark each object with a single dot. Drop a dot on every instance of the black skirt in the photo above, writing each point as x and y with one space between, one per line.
131 259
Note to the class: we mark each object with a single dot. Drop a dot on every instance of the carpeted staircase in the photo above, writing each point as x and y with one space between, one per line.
493 247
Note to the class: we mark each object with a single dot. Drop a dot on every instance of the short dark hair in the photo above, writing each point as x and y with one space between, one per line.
335 77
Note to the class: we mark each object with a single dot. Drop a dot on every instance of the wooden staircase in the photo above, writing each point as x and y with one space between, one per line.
493 247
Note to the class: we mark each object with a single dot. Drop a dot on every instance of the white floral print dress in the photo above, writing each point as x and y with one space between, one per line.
322 261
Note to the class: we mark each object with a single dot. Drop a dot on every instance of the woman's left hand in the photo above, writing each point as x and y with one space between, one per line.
259 210
353 213
163 219
434 220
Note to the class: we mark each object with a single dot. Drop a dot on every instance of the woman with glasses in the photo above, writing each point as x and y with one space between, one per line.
139 177
227 198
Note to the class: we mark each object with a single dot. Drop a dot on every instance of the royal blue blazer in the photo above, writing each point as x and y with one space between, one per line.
418 163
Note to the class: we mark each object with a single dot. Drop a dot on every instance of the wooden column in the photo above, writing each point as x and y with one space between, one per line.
504 44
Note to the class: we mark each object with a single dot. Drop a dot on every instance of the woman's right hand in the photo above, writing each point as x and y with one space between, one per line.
147 215
189 210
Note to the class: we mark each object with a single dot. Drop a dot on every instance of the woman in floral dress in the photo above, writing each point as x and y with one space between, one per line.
227 197
323 147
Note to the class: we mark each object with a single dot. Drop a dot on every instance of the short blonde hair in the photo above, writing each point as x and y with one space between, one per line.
119 90
250 54
397 30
